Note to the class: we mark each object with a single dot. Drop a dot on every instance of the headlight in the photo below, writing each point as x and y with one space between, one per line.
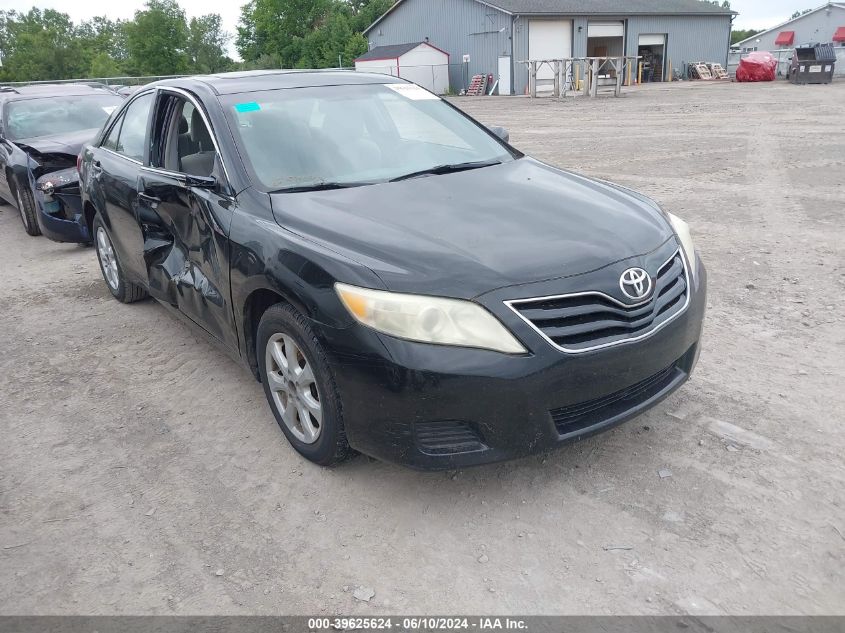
48 183
428 319
683 232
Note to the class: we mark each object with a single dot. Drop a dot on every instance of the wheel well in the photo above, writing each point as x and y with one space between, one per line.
89 212
255 306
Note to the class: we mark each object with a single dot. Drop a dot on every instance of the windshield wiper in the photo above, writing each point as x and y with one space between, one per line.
447 169
322 186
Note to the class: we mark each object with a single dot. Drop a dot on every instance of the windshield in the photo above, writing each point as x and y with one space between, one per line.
295 139
46 116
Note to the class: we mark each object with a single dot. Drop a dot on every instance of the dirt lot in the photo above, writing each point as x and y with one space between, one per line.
142 472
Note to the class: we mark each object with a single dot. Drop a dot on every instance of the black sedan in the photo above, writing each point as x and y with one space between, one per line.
42 129
401 280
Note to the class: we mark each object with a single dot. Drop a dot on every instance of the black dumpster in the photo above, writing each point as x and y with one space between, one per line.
812 64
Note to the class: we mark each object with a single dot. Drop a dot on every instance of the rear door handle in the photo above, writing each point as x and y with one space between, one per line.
95 165
150 200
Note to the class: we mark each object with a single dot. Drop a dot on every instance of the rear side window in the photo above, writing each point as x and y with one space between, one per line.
133 129
111 139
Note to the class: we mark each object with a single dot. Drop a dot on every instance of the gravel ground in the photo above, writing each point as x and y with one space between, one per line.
142 472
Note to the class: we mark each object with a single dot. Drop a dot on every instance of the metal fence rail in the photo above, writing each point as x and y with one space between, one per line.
783 56
109 81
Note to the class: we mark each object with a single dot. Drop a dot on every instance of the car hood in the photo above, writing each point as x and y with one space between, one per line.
464 234
69 143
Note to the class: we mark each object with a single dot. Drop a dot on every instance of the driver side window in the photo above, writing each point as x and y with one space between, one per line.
189 148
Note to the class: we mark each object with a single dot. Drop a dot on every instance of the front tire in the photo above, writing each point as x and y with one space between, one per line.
26 207
300 387
121 289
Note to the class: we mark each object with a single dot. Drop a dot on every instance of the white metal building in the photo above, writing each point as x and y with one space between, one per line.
420 62
824 24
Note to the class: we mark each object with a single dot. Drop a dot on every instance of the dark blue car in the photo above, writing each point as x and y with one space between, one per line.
42 129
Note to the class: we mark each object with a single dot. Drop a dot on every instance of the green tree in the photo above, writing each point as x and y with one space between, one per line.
103 46
798 14
742 34
40 45
279 27
207 45
157 39
306 33
103 65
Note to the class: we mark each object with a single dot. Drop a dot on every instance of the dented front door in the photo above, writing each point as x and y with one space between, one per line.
186 249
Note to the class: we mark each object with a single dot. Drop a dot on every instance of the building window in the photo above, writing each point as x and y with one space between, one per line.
749 49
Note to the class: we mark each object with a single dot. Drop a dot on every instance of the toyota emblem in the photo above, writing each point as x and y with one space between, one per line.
635 283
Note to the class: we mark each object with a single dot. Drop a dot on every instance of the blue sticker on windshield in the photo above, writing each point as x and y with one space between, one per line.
250 106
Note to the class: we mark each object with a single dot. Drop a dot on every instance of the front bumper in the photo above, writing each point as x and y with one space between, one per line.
434 407
60 215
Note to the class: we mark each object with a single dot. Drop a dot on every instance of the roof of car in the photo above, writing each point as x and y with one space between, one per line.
255 80
13 93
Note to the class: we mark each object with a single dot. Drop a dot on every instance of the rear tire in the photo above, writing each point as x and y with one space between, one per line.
26 207
299 386
121 289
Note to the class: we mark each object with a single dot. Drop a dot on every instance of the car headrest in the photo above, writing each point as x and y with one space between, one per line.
200 133
183 125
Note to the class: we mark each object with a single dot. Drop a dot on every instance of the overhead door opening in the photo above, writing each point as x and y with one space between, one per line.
652 51
548 39
606 39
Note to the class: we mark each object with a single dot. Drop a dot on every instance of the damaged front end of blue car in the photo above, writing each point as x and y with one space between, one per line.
60 206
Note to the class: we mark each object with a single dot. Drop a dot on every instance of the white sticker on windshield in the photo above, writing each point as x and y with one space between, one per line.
412 91
108 109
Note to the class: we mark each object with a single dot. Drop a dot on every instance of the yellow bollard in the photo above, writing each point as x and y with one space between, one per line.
628 72
640 74
670 70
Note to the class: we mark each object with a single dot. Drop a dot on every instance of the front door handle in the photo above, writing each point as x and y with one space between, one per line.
150 200
95 166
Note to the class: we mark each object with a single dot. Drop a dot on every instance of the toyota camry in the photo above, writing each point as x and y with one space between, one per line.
403 282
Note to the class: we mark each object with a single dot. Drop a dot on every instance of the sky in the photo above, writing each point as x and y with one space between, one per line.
763 14
759 14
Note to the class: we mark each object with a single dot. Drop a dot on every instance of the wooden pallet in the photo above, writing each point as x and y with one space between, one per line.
718 71
478 86
702 71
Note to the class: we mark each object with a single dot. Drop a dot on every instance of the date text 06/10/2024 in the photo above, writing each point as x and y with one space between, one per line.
417 624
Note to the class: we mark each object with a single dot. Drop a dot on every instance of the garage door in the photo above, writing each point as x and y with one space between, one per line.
606 29
549 39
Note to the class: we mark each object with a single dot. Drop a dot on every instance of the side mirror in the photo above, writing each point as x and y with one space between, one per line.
501 132
201 182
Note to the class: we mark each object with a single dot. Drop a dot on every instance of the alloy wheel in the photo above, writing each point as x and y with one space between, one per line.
108 261
293 388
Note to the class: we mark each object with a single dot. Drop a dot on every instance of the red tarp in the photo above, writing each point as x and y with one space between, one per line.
785 38
839 36
758 66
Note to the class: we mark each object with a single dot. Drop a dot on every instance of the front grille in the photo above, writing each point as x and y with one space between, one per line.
582 415
447 437
584 321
